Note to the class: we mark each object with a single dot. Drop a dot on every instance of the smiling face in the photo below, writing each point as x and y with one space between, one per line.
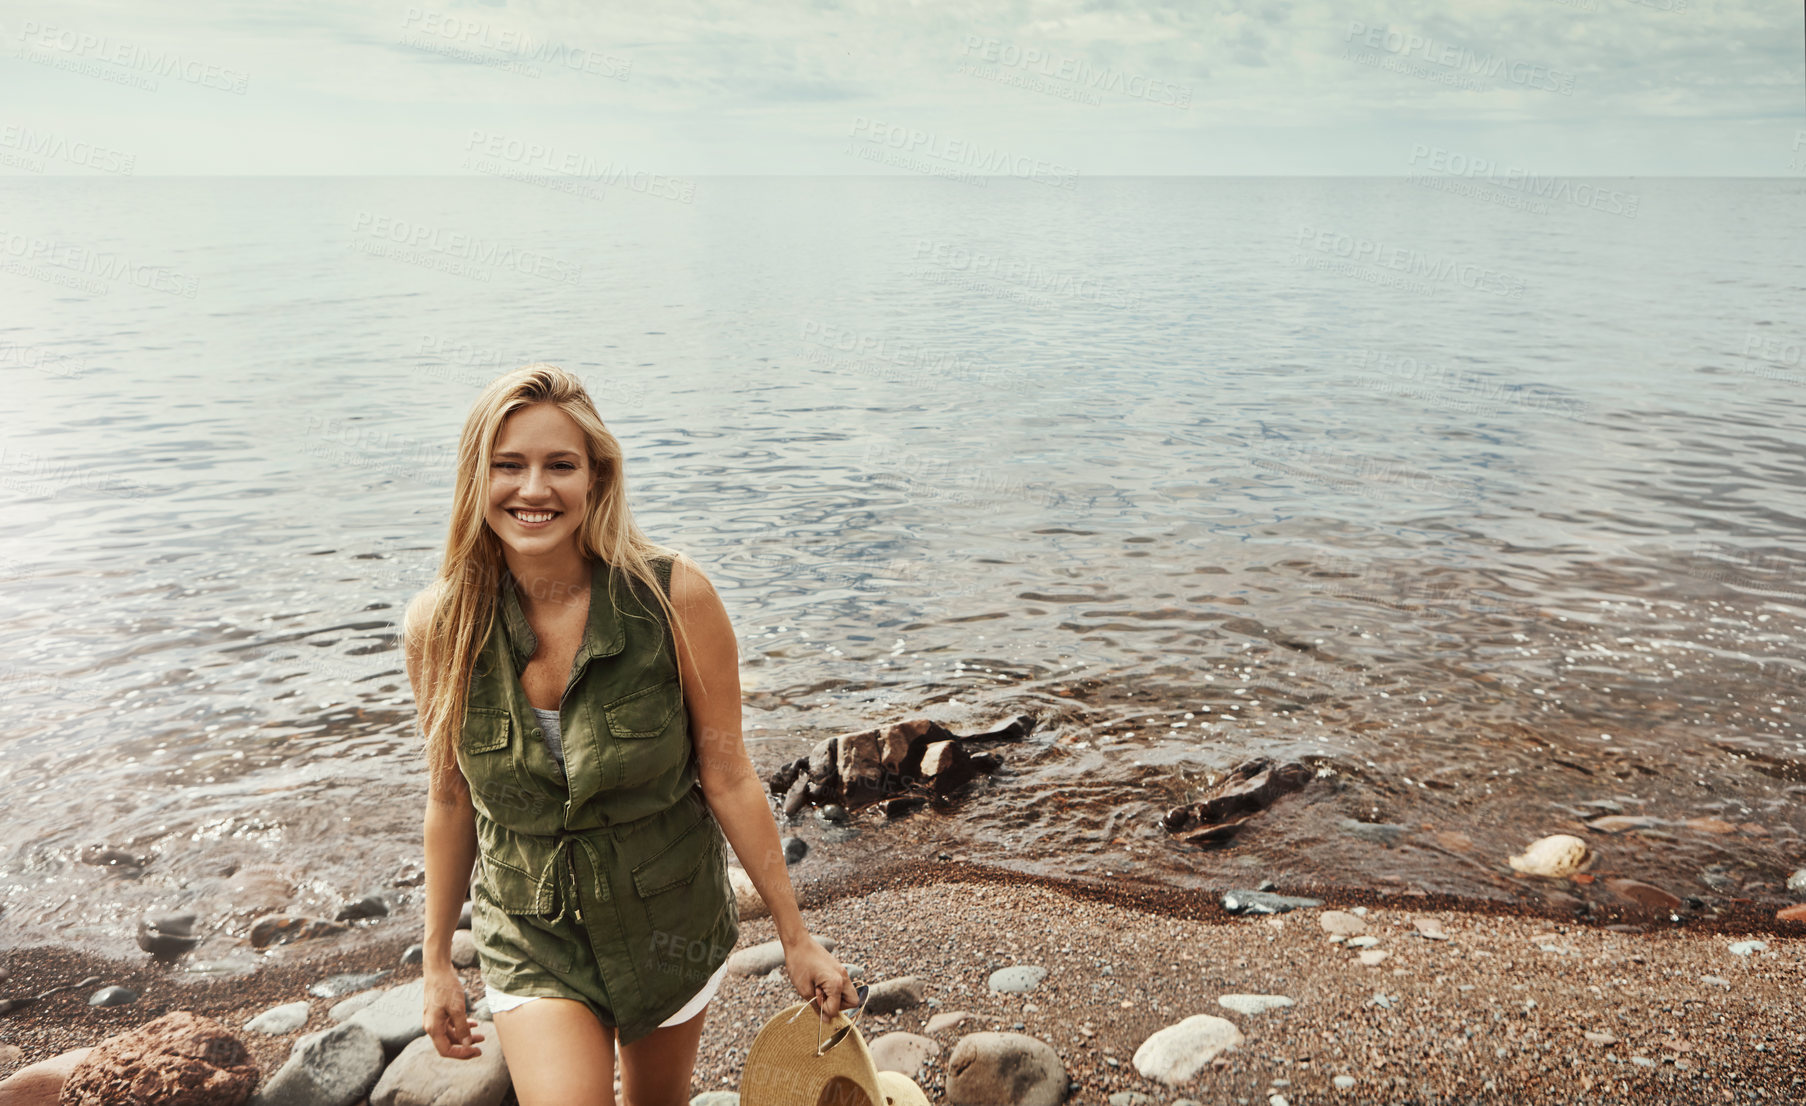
539 480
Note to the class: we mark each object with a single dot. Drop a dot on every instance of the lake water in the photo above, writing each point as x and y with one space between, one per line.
1487 503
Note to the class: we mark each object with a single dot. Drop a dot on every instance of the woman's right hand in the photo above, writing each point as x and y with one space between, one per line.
444 1020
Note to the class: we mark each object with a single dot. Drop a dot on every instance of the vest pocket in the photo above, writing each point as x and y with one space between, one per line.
644 713
514 941
681 900
485 729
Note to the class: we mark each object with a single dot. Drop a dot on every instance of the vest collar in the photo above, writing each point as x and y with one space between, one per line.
603 636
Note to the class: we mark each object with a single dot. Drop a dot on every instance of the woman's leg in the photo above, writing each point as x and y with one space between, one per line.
559 1053
656 1069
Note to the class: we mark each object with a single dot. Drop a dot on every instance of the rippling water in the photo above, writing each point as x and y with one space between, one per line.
1491 513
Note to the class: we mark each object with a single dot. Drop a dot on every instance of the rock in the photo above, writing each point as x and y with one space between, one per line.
41 1084
1710 825
891 995
394 1017
1017 979
419 1076
795 848
178 1059
1622 823
1341 923
1429 928
833 812
900 1090
1557 856
1004 1069
278 1020
112 996
1132 1098
1791 914
1373 957
720 1098
949 1020
1797 882
903 1052
797 797
416 953
370 906
346 983
167 935
334 1067
746 896
1380 833
904 804
1344 1082
1746 948
280 929
257 889
118 861
463 949
1600 1038
1642 894
344 1008
16 1003
1715 980
1179 1052
1264 902
1252 1004
1249 789
464 915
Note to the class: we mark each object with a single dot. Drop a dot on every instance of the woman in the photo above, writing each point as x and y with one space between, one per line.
579 692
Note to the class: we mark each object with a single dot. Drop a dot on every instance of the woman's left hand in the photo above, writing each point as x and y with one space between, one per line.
817 974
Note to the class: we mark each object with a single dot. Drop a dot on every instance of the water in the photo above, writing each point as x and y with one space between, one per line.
1487 512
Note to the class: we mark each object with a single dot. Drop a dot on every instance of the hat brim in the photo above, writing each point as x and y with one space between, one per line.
782 1068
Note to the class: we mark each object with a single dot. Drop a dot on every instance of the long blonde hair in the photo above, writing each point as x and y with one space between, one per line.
467 589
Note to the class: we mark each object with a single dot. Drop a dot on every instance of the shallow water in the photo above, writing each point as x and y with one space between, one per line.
1148 458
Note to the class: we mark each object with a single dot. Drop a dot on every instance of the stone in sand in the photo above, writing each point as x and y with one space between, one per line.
1252 1004
41 1083
1645 895
278 1020
1791 914
1177 1053
890 995
422 1077
179 1059
949 1020
1264 902
1746 948
1341 923
1017 979
334 1067
1556 856
746 895
903 1052
1004 1069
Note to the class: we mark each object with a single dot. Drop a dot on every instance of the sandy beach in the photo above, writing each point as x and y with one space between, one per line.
1509 1007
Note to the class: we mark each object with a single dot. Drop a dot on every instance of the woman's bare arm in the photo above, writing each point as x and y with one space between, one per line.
451 828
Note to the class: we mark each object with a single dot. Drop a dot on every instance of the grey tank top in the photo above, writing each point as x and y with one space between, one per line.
548 721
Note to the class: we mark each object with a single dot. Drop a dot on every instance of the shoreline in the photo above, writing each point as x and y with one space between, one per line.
1156 945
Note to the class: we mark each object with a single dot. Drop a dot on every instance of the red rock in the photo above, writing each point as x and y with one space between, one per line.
41 1084
1642 894
1711 825
179 1059
1620 823
1792 914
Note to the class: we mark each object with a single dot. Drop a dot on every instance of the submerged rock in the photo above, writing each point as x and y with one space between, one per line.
899 765
1249 789
1556 856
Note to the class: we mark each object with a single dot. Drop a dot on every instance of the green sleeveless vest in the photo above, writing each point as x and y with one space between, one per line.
606 882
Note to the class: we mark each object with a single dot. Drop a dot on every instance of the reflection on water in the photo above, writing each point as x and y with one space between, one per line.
1494 567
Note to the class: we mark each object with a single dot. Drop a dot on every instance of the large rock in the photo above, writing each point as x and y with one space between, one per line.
1647 896
1004 1069
1177 1053
904 1052
422 1077
891 995
766 957
395 1016
334 1067
1556 857
41 1084
746 895
179 1059
278 1020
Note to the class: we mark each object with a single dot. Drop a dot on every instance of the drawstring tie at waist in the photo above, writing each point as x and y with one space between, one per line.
550 879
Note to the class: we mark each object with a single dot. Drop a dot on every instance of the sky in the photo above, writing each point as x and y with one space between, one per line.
685 88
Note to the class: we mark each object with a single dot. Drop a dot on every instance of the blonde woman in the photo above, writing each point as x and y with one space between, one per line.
579 694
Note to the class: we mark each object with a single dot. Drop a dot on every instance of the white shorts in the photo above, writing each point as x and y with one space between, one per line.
499 1001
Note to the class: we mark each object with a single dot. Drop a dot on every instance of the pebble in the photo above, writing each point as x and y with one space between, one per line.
112 996
346 983
1252 1004
1179 1052
278 1020
1018 979
1365 942
1343 1082
1341 923
1715 980
1797 882
1430 928
1372 957
1264 902
1745 948
1555 856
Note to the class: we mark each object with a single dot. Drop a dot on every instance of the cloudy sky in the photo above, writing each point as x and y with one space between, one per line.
1591 87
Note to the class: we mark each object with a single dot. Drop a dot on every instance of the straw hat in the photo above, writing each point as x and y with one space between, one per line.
796 1060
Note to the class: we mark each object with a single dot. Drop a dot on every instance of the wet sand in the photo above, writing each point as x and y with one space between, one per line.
1501 1011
